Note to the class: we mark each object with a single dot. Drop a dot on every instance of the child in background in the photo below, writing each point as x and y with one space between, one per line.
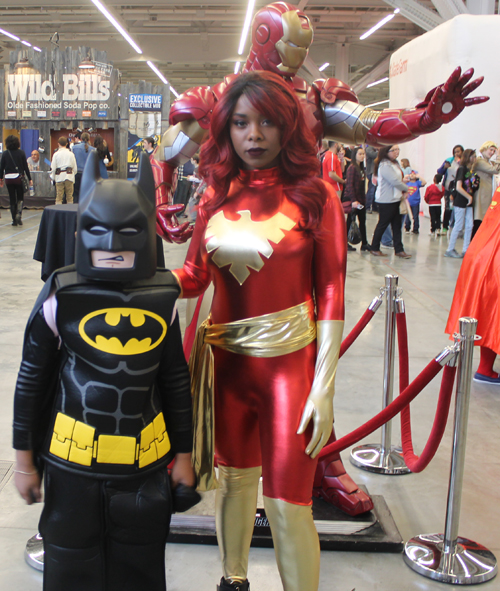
405 166
414 185
433 197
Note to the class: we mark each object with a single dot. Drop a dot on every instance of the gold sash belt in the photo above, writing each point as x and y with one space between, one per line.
270 335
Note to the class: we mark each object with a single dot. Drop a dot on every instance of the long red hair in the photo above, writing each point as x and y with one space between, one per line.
298 162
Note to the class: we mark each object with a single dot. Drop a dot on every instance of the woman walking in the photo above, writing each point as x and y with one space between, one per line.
390 195
463 202
354 191
13 165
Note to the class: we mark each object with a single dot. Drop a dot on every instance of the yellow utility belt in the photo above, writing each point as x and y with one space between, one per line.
75 442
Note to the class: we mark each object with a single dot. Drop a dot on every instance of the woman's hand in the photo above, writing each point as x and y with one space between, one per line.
319 408
319 404
31 183
355 204
182 471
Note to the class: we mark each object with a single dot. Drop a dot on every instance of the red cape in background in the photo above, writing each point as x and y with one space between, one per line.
477 293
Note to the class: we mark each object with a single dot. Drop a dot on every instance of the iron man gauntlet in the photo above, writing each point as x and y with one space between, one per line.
319 404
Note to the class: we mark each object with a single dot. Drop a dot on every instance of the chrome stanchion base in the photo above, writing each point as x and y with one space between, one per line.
371 457
471 563
33 554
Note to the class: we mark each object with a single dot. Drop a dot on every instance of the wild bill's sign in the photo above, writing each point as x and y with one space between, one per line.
78 92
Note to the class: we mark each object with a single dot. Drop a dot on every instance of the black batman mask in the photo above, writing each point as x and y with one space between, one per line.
117 216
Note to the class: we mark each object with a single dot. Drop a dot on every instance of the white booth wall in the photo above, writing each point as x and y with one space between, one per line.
467 41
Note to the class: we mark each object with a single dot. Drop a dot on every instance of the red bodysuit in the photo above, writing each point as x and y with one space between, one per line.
261 263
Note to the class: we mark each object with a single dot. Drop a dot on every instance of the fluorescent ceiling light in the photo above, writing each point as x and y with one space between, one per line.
9 35
246 26
26 43
36 48
237 67
377 82
378 25
116 24
379 103
162 78
324 66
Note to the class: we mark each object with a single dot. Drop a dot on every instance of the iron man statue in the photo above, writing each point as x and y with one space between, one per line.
281 37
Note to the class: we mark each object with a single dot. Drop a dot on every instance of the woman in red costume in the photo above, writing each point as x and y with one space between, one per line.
477 293
271 235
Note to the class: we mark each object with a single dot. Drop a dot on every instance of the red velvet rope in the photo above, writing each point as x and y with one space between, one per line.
414 462
388 413
356 331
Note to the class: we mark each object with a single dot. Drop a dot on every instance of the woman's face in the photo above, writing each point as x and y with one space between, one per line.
393 153
360 156
472 159
457 153
256 139
489 152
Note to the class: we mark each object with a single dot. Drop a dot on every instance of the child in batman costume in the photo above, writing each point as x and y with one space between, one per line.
119 407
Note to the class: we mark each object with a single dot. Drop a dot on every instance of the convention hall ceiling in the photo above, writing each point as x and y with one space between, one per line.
195 44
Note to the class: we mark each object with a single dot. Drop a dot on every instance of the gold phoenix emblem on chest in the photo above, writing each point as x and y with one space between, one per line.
240 243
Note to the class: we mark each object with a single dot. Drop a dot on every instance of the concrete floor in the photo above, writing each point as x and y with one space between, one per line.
417 501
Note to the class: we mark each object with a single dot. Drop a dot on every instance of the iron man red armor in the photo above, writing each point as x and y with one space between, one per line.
281 37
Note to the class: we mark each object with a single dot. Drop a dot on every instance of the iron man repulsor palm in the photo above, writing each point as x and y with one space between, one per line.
281 36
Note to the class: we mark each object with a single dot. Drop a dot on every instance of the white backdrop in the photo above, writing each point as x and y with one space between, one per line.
468 41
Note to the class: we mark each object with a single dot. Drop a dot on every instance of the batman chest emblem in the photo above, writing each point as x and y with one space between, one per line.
239 243
123 331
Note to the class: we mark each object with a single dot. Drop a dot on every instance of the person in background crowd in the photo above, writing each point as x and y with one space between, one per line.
371 154
463 201
62 171
391 192
149 144
34 161
449 170
332 168
354 191
433 197
485 170
414 185
105 158
12 165
405 166
81 152
183 183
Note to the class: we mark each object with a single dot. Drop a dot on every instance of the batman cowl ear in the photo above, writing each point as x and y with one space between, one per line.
145 179
90 176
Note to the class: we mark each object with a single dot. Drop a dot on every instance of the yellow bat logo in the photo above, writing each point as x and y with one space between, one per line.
240 243
123 331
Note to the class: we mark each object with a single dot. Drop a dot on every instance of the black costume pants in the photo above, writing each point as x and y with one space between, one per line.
105 535
388 214
16 194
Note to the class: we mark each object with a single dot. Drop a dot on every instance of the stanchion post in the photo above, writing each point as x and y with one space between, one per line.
383 458
447 557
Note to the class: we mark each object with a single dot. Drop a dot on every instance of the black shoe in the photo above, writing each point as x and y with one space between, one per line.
350 248
19 220
225 586
365 247
415 232
14 222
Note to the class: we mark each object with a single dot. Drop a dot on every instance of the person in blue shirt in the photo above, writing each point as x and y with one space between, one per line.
414 185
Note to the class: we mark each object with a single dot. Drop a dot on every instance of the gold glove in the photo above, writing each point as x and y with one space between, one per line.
319 404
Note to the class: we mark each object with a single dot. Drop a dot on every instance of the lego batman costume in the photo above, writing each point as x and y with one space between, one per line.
119 408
